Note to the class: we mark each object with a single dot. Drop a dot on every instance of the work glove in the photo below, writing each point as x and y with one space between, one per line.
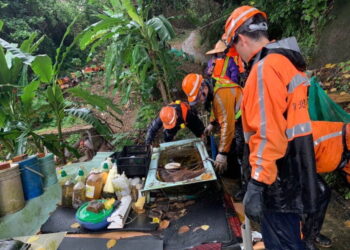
253 200
220 163
208 129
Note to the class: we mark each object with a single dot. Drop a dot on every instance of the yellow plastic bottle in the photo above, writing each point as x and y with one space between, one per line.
104 172
94 185
79 190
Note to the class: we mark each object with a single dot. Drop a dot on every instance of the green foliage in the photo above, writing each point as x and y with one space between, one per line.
20 118
146 114
303 19
337 181
137 58
49 17
122 139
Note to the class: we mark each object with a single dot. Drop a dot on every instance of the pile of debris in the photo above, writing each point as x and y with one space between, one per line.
335 80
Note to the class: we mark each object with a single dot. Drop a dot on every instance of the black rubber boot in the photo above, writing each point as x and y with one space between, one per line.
323 241
310 245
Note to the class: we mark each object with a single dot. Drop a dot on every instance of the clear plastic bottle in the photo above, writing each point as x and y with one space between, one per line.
79 190
121 186
94 185
67 189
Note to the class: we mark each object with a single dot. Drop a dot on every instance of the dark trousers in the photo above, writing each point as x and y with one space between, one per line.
235 155
281 231
313 222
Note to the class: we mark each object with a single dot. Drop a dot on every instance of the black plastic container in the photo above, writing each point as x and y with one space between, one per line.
133 160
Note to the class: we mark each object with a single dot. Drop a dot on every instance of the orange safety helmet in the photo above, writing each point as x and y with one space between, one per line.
238 17
191 85
168 116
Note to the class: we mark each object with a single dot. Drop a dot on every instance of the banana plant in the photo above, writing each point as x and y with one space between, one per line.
48 73
19 115
138 54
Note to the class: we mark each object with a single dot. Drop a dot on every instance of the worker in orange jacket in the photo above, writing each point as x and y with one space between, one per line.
224 98
276 127
172 118
332 152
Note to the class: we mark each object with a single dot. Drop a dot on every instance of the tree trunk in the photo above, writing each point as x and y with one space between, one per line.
60 138
163 92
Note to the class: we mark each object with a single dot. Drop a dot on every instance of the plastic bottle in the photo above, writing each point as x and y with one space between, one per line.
79 190
63 177
80 177
108 161
67 189
108 189
121 186
94 185
104 172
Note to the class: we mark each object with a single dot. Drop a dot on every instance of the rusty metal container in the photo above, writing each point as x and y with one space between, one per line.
11 192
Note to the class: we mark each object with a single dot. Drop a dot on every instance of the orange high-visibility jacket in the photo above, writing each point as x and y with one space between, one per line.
226 103
329 146
277 128
274 89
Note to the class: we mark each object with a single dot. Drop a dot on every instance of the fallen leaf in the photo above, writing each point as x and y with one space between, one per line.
183 212
206 176
75 225
111 243
155 220
183 229
342 93
164 224
333 89
178 205
347 223
329 66
327 84
347 76
32 239
189 203
203 227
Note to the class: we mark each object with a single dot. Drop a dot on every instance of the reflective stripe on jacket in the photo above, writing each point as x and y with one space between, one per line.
278 131
329 146
226 104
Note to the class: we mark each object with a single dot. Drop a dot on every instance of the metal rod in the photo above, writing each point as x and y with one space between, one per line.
247 234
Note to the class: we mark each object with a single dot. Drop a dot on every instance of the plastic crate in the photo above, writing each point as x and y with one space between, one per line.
133 160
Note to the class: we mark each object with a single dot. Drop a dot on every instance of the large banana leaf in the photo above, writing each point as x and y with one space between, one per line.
16 52
42 66
162 26
28 94
130 9
56 101
102 103
88 116
98 30
4 69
